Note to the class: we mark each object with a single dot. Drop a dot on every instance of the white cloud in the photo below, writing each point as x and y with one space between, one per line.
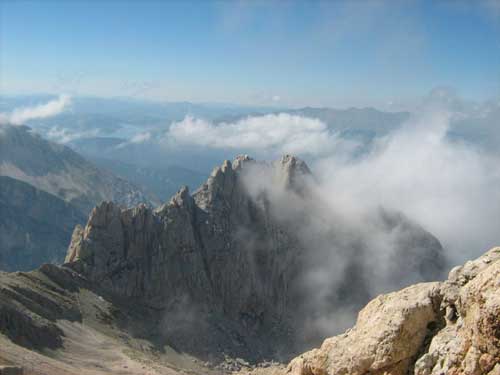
449 187
65 135
136 139
278 133
20 115
141 137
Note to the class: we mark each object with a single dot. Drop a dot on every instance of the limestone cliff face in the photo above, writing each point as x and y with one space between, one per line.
434 328
228 249
218 248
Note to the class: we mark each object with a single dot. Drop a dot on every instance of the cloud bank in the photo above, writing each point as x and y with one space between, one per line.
351 253
448 186
278 133
365 216
21 115
138 138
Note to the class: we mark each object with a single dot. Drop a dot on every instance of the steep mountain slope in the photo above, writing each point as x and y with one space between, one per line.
231 250
54 321
217 276
59 171
34 226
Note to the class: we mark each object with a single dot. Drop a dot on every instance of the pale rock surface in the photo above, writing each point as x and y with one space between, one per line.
389 333
427 329
470 341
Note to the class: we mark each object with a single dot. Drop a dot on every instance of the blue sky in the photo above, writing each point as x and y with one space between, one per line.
286 53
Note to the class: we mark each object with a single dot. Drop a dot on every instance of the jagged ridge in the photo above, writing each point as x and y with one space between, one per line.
216 274
224 251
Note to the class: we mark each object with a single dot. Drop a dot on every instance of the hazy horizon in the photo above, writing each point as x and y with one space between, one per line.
381 54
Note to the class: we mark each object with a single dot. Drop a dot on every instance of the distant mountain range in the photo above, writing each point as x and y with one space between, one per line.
365 122
58 170
35 226
102 162
45 190
162 182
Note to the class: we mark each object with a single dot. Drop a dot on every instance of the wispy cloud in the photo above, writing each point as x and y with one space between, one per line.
136 139
66 135
20 115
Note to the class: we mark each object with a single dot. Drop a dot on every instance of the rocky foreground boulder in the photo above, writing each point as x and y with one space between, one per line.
450 327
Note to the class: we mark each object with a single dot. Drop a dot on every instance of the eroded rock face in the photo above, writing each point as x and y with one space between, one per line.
227 250
389 332
470 341
435 328
217 248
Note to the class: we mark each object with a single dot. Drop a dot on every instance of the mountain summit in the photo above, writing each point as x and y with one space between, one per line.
248 268
233 253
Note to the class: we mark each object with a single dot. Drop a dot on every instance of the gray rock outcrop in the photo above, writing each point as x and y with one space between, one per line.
469 342
228 249
11 370
217 248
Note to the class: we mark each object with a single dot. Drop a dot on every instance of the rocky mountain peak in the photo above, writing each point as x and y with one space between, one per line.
182 197
291 162
222 249
292 172
241 160
224 186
